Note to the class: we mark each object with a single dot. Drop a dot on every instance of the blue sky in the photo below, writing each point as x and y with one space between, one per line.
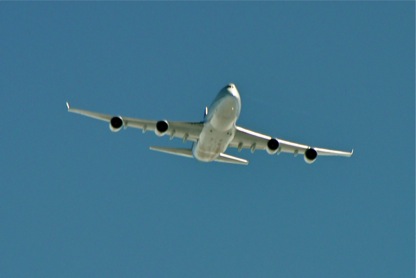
80 201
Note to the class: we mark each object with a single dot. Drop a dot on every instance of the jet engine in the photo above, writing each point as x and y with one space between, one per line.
116 123
310 155
272 146
161 128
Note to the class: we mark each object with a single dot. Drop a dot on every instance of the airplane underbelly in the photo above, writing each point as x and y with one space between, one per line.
212 143
225 114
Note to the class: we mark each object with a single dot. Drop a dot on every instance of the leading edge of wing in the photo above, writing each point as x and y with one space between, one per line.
94 115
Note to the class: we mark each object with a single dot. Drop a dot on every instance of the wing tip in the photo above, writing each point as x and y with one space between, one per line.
68 106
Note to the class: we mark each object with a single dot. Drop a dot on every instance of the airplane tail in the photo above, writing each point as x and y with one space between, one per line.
224 158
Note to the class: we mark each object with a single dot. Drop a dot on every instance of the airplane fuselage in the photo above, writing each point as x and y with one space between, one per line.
219 126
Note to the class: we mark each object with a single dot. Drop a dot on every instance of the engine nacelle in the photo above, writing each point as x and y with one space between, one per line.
310 155
272 146
116 123
161 128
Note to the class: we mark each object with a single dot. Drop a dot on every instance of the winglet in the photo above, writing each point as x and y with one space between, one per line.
67 105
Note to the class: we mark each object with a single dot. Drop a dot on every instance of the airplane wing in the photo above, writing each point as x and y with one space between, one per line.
247 139
185 130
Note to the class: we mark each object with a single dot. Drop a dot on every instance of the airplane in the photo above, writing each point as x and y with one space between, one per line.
215 134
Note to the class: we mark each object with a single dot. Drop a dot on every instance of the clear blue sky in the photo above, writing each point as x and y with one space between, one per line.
79 201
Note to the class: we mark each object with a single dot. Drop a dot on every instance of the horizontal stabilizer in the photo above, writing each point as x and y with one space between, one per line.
225 158
174 151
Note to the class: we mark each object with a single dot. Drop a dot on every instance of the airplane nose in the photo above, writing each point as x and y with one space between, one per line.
232 90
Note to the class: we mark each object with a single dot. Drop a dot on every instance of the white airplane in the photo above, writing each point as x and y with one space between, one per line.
217 132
